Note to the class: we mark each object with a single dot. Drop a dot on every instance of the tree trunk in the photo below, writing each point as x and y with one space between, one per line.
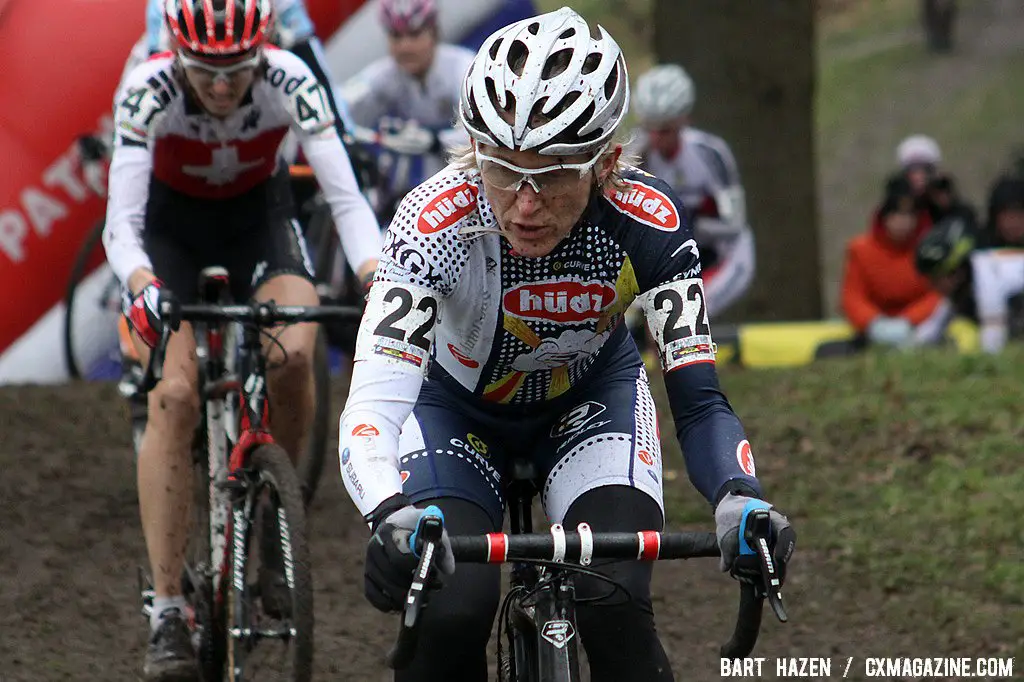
753 64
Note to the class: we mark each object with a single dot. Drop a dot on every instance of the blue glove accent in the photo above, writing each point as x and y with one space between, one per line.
432 510
750 506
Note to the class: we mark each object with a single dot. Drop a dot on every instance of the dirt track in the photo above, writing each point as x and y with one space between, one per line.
70 542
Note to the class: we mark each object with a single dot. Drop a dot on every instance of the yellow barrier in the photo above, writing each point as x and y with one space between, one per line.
790 344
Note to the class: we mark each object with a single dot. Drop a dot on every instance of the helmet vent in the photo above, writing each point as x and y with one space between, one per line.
517 54
556 64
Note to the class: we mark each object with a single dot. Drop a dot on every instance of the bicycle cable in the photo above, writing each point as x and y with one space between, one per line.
616 586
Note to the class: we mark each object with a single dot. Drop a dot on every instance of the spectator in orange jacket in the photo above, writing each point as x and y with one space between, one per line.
884 297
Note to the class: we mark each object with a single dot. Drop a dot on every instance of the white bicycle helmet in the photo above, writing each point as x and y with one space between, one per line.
918 149
664 93
546 84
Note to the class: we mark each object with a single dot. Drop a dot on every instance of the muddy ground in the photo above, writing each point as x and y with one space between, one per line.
70 542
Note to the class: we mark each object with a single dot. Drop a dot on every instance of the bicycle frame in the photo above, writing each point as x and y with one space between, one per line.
228 484
542 630
222 430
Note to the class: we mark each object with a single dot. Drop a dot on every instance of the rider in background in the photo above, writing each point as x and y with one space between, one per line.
196 180
701 168
293 31
409 96
494 331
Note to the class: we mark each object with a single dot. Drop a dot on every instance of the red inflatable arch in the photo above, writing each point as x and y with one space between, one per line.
61 61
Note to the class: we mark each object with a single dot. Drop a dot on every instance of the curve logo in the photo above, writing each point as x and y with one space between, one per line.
647 205
365 431
477 444
564 301
447 208
645 457
404 474
745 457
462 357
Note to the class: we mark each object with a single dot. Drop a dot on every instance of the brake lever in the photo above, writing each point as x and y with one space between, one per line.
423 542
754 540
170 313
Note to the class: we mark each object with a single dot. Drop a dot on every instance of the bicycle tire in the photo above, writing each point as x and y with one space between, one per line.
312 464
271 468
210 654
85 251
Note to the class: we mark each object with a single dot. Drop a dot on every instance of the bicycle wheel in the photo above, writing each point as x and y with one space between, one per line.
86 256
312 463
198 581
270 639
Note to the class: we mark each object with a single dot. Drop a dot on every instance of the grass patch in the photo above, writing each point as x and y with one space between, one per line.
905 471
856 21
849 87
984 117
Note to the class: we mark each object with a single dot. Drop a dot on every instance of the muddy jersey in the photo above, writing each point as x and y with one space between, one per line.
454 304
166 142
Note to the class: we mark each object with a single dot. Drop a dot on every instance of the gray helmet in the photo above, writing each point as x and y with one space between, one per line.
664 93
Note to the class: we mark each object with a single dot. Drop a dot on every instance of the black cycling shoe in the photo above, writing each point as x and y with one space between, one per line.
170 656
274 593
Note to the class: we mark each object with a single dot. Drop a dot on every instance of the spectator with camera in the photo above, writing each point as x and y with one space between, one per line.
920 162
944 257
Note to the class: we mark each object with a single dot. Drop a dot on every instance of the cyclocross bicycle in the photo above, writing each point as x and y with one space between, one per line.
538 615
247 574
100 302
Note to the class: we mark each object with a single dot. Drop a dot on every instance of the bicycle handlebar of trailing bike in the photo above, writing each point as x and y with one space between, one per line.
580 549
258 313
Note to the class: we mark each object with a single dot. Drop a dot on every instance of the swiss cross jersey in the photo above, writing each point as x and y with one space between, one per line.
164 141
705 175
452 303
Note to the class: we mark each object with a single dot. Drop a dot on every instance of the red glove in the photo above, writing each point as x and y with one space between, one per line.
143 312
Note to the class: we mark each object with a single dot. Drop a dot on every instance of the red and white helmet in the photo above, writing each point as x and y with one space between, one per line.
546 84
407 16
219 28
